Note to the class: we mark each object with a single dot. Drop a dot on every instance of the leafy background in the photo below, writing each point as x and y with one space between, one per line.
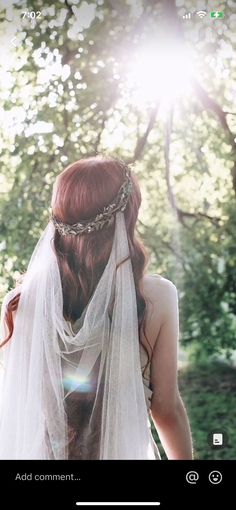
65 94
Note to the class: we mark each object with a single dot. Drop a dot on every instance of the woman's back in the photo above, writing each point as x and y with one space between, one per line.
89 248
80 403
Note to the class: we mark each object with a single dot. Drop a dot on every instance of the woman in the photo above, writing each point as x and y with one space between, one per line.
72 385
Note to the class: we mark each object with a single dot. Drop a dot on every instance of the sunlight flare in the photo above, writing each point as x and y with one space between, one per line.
159 75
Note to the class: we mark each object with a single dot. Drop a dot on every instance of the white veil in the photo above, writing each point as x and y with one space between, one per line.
44 357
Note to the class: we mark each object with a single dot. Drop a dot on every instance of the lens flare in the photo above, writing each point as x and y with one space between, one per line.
72 382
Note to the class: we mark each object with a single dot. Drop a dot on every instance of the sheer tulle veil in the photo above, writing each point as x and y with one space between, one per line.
33 419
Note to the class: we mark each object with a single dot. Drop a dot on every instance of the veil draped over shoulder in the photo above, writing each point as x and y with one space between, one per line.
45 364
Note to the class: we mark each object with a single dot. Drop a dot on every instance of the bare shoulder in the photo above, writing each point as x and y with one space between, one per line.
159 289
162 296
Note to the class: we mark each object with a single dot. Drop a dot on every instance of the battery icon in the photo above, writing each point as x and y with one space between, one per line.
217 14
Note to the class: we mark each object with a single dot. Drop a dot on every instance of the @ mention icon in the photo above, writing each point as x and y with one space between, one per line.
192 477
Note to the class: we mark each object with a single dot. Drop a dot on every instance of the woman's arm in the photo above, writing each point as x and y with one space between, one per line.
167 408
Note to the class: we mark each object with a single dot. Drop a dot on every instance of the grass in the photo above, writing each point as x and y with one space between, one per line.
209 394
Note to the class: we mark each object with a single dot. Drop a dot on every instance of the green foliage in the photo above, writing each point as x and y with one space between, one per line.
208 392
65 96
212 388
209 316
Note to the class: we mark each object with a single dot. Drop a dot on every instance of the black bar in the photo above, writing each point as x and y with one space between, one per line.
63 483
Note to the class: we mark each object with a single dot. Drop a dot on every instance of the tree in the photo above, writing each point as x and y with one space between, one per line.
74 87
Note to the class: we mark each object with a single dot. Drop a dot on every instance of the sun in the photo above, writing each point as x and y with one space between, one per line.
158 75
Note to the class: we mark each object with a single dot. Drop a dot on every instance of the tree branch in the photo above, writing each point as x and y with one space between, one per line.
69 7
197 215
172 20
98 139
180 214
171 195
165 244
211 104
141 142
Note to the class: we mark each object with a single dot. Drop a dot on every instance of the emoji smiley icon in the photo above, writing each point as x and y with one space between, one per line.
215 477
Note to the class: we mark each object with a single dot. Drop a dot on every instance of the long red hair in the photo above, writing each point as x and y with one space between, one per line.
82 190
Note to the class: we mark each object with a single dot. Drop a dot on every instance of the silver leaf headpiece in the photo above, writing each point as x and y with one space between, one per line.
106 218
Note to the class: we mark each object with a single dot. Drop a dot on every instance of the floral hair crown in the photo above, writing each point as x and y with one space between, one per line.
106 218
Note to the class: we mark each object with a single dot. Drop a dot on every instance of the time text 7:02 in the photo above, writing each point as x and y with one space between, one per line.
31 14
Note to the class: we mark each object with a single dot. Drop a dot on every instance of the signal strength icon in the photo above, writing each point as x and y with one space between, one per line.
201 14
187 16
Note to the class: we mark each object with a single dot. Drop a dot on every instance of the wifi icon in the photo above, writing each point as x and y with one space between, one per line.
201 14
